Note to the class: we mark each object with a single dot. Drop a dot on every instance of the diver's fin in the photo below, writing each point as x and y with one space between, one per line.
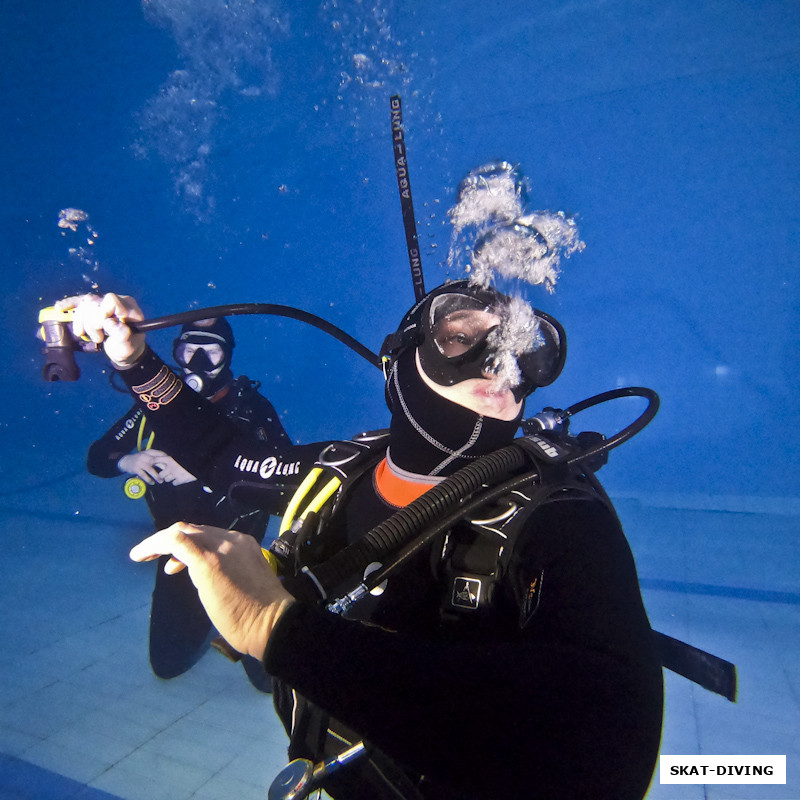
709 671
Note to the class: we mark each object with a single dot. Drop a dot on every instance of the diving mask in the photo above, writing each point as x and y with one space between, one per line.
198 357
203 351
460 335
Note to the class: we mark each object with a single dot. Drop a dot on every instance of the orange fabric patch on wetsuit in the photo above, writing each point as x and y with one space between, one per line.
395 490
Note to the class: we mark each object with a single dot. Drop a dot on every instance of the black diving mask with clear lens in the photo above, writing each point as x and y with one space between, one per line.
459 324
456 343
198 357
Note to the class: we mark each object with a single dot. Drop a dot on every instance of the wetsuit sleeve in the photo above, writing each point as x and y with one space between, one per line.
208 444
266 419
117 441
530 711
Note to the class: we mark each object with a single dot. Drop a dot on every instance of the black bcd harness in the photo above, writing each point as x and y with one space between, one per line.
470 559
478 543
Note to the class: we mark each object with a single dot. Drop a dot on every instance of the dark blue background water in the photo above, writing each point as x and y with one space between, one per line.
241 152
262 171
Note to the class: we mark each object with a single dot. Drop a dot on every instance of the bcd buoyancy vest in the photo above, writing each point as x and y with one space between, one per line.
471 563
476 549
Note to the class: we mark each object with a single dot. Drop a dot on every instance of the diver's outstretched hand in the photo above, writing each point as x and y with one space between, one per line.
241 594
104 321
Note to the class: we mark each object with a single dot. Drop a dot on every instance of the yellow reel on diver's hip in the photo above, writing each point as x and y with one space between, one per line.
135 488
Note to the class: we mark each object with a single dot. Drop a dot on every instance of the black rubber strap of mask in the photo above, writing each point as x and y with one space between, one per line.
406 204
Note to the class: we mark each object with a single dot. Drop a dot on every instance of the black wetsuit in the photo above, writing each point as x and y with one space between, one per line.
558 694
179 625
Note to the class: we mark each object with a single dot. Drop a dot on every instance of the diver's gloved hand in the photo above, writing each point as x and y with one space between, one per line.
103 321
155 466
241 594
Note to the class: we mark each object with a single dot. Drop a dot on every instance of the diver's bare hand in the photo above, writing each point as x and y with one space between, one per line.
241 594
155 466
104 320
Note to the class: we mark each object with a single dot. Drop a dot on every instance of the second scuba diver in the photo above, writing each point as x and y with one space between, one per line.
179 625
509 657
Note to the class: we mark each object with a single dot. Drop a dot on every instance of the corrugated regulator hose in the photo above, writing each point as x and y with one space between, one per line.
405 524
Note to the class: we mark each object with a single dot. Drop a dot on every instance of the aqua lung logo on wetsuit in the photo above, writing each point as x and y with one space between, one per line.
466 593
128 425
267 468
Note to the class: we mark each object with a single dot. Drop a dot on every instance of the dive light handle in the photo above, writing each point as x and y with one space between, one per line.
60 345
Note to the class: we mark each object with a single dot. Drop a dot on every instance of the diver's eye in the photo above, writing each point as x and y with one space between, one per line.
455 344
459 338
459 332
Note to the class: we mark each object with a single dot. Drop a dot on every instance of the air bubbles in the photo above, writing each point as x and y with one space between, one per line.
496 237
75 225
517 333
514 250
493 191
225 47
493 235
71 217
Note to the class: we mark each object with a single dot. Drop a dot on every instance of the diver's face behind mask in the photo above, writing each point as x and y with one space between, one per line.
201 364
199 357
460 325
203 351
459 328
460 334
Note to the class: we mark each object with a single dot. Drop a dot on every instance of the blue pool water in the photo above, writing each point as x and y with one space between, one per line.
241 152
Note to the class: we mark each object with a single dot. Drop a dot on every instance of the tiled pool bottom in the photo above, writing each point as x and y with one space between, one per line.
82 716
20 780
78 700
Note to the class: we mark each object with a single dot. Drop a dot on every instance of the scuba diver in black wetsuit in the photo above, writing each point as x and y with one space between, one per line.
179 625
508 656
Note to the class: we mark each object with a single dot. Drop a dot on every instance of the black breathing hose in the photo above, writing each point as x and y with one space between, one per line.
629 431
399 529
496 492
270 309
